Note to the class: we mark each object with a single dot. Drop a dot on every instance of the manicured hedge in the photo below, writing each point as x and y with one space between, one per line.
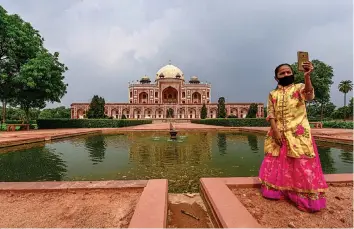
88 123
261 122
338 124
233 122
312 119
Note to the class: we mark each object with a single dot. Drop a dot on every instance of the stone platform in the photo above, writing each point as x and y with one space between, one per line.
226 209
153 193
151 209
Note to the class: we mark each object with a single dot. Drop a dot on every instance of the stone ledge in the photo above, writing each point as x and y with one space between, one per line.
65 185
21 141
253 182
42 137
151 210
66 135
227 211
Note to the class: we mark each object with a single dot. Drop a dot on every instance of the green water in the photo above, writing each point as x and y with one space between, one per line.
152 155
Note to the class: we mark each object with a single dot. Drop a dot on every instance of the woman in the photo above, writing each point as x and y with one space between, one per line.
291 167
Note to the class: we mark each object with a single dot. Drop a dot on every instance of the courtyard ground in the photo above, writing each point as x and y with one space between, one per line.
79 208
338 214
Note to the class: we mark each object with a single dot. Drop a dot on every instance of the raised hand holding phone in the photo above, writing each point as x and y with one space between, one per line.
302 57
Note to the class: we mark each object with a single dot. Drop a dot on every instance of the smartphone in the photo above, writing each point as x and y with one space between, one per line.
301 58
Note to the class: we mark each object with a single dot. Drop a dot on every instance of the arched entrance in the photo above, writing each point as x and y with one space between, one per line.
125 112
115 113
159 113
196 98
192 113
80 113
148 113
213 113
143 97
170 95
181 113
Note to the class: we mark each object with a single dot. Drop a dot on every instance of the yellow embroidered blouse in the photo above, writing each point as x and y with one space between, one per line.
287 106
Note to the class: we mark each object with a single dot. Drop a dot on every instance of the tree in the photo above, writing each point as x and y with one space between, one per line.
40 80
342 112
14 113
96 109
351 105
59 112
221 108
345 86
252 111
203 112
169 113
19 42
314 110
321 79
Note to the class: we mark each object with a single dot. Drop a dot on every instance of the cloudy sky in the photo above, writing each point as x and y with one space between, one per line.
234 44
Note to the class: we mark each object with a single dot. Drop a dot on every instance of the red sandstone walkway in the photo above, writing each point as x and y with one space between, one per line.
177 126
326 134
32 136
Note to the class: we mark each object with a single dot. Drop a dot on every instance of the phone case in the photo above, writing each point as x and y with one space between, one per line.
301 58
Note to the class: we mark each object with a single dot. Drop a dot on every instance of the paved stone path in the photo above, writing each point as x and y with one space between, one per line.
330 134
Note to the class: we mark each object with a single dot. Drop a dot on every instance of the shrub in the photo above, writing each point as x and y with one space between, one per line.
338 124
233 122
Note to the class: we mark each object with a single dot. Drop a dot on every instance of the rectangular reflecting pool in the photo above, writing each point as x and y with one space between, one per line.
151 155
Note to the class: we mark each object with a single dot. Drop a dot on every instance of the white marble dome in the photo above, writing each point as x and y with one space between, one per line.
170 72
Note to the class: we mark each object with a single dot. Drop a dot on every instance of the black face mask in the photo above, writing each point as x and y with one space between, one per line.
285 81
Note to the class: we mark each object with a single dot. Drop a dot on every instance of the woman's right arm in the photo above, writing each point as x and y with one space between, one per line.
271 119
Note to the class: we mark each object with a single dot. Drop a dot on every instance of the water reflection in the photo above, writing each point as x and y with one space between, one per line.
326 159
35 164
222 143
96 147
253 143
347 155
160 151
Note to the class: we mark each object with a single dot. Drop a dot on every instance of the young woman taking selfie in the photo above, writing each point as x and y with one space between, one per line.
291 167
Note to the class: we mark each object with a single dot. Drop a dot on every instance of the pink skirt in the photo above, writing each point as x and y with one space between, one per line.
300 180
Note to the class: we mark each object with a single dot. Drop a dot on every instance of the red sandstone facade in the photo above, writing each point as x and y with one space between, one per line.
170 91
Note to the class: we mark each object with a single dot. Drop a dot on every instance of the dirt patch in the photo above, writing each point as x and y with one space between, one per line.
281 213
79 208
192 205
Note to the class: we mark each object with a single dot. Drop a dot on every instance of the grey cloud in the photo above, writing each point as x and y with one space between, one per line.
235 45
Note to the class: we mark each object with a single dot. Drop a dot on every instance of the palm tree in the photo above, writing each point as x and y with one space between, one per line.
345 86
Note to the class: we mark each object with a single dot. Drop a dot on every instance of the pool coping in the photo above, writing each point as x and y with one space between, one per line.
155 193
227 211
28 140
316 136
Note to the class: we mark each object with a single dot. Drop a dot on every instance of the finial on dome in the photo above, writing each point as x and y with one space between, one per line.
169 62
